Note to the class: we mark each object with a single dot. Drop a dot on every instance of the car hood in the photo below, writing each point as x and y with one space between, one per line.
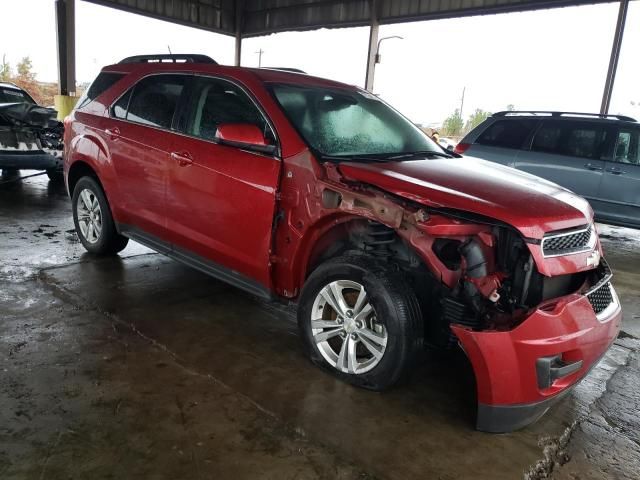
531 204
24 113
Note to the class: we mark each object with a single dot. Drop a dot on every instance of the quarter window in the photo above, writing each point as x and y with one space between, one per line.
510 133
101 84
216 101
626 150
153 101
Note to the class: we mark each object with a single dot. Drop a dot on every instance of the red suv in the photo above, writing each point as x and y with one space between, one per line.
302 189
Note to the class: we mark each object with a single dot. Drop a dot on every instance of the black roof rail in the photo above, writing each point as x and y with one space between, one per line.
285 69
559 114
173 58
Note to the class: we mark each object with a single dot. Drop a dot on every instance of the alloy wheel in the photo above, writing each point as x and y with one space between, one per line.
345 328
89 216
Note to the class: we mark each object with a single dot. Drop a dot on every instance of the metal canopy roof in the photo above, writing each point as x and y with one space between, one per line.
261 17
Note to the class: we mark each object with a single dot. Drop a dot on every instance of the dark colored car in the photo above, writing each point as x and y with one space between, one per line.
596 156
30 135
305 190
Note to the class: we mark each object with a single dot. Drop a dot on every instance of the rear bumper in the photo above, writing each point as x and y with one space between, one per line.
520 373
32 161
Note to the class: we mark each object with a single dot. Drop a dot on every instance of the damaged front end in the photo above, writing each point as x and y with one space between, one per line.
30 137
532 315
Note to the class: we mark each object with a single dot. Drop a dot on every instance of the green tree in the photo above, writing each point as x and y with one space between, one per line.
5 70
452 126
476 119
25 70
511 107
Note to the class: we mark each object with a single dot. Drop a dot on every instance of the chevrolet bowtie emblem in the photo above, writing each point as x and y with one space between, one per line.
593 260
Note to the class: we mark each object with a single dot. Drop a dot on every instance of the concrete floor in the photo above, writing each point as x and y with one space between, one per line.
138 367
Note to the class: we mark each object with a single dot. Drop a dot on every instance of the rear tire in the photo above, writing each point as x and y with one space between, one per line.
361 321
93 221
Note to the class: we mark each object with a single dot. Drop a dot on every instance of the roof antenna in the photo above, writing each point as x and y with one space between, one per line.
169 48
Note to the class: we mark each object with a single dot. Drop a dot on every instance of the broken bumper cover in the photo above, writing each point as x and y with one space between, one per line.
38 160
520 373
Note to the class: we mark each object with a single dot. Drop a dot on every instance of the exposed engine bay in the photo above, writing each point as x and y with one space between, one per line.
469 270
28 128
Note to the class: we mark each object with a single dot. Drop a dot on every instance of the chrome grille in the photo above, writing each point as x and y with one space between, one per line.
567 243
601 298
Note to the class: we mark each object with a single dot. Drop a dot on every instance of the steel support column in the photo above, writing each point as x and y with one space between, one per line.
373 47
615 55
66 35
239 24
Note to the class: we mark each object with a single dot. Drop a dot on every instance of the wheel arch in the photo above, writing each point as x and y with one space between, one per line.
79 169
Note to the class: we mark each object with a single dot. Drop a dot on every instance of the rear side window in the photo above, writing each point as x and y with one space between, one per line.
510 133
153 101
575 139
547 138
101 84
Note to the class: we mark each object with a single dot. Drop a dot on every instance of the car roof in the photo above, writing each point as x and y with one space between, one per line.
266 75
568 116
12 86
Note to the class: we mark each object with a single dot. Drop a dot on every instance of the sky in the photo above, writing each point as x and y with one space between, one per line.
544 60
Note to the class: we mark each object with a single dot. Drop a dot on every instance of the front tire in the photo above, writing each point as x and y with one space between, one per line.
93 221
361 321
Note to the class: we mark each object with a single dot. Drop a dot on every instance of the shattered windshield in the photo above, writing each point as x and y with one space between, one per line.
12 95
348 123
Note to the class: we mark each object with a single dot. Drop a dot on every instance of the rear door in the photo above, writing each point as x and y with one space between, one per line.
221 203
502 140
620 188
141 136
568 153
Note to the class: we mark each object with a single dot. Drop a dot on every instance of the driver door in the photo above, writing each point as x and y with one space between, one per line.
221 199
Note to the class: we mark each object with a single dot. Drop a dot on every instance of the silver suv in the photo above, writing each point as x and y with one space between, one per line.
596 156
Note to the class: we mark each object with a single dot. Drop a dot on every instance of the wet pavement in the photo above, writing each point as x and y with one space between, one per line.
139 367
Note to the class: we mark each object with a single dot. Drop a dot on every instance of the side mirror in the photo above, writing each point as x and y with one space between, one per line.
243 135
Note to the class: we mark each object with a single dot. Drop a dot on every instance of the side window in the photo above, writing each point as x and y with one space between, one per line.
510 133
153 100
547 138
583 140
101 84
626 149
216 101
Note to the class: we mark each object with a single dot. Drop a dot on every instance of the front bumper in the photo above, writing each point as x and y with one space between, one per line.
520 373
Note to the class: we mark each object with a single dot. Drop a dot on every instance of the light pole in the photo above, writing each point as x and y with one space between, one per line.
371 66
260 52
378 58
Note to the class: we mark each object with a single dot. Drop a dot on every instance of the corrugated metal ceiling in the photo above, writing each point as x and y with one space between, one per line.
260 17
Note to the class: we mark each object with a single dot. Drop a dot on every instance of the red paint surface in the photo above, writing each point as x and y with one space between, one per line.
504 363
220 202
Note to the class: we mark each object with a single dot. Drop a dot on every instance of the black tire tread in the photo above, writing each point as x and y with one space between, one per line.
111 241
405 304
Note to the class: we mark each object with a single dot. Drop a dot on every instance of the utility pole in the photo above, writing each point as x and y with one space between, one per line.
615 54
260 52
462 101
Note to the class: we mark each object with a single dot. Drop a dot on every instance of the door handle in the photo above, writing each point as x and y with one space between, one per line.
184 159
592 167
113 133
616 171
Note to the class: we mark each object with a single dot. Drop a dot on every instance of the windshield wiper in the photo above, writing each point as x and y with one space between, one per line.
351 158
421 153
